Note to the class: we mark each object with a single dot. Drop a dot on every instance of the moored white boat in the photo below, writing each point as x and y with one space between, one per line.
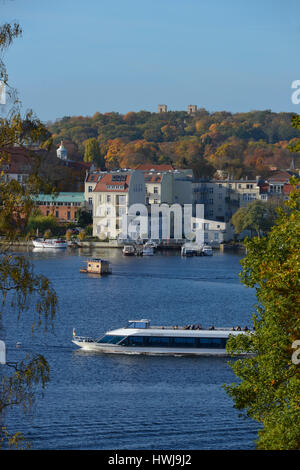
141 338
49 243
128 250
147 250
189 249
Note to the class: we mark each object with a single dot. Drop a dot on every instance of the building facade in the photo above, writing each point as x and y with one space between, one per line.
222 198
112 196
63 206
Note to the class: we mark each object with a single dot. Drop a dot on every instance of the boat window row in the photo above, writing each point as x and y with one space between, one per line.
167 342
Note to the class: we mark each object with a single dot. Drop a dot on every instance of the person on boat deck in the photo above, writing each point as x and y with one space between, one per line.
238 328
212 327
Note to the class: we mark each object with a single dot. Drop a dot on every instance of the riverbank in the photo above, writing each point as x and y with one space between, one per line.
236 247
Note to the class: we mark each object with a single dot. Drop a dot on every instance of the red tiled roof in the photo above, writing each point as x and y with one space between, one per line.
263 188
107 184
16 161
151 166
288 188
92 177
280 176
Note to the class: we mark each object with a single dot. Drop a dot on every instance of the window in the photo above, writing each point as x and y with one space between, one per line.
220 195
214 343
108 198
216 236
134 341
155 190
90 201
56 214
111 339
90 189
69 215
185 342
158 341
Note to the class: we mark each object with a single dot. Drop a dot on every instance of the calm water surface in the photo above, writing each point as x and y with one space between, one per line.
99 401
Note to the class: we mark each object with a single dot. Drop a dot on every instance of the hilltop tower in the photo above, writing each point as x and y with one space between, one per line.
61 152
162 108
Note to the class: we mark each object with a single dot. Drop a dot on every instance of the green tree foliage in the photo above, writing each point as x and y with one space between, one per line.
28 293
257 216
92 152
83 218
38 223
269 380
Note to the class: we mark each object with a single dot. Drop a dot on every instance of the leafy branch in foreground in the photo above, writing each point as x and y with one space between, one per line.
269 387
19 285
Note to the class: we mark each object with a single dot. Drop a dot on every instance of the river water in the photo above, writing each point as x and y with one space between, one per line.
96 401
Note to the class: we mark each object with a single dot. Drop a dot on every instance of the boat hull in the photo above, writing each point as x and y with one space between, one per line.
115 349
54 245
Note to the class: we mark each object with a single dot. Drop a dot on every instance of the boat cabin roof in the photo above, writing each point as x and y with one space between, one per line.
97 260
138 324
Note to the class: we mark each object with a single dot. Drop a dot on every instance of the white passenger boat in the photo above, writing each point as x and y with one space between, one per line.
49 243
139 337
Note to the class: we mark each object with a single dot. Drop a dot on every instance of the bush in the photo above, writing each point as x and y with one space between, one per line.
41 224
89 231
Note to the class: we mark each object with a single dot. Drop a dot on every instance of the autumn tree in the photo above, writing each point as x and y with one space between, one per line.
27 291
268 389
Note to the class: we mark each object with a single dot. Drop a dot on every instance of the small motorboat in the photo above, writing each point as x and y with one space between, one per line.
207 250
148 250
49 243
128 250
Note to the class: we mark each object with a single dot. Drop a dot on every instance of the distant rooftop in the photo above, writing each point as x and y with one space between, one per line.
61 197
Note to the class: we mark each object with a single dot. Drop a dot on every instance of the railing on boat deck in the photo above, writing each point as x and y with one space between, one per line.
193 329
83 339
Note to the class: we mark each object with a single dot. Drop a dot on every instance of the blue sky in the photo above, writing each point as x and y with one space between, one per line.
77 57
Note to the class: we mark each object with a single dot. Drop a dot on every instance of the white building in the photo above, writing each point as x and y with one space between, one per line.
61 152
113 194
212 231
